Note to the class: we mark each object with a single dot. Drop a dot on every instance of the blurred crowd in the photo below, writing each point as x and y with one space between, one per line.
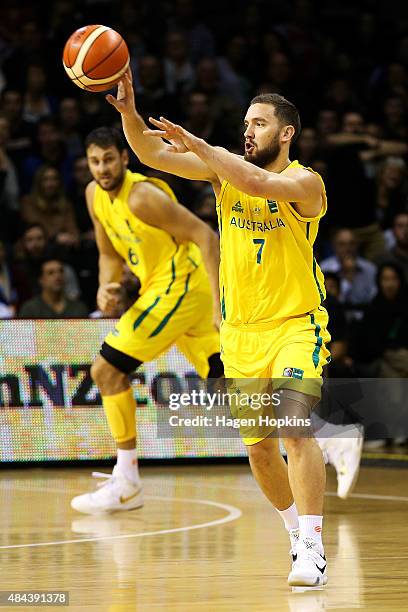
345 65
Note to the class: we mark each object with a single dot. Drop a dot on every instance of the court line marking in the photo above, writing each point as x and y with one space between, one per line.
329 493
233 514
373 496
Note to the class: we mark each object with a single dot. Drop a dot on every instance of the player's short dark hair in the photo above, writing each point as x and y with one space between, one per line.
106 137
285 111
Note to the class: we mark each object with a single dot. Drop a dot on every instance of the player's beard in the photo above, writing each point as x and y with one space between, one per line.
114 183
266 156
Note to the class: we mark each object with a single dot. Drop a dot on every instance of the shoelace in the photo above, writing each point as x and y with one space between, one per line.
303 551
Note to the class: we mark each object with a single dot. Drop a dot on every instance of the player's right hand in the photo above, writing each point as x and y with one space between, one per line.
125 97
108 297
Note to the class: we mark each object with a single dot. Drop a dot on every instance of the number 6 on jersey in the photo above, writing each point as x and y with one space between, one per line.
260 241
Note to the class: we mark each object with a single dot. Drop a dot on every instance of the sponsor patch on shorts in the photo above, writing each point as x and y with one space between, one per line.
293 373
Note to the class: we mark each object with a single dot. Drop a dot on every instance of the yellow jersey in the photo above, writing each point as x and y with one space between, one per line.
267 269
152 254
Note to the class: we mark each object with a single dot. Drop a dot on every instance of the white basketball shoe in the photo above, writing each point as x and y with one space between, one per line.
115 494
344 453
309 568
294 539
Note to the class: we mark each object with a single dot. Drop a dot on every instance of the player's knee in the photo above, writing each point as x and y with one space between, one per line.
296 445
107 378
263 451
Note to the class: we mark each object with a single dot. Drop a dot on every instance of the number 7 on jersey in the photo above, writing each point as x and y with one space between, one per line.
260 241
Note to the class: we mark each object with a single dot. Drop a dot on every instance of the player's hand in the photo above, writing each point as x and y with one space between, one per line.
181 140
108 297
125 96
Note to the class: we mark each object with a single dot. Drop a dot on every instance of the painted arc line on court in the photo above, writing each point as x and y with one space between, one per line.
233 514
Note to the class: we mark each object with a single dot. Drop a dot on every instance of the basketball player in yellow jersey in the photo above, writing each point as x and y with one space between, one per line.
274 326
138 220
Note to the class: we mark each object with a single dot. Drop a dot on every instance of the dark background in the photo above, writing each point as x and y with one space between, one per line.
344 64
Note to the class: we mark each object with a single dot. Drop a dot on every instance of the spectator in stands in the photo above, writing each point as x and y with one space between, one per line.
48 149
382 339
153 100
31 250
48 206
37 103
340 364
9 189
204 207
307 146
7 291
392 189
223 107
70 126
178 69
395 119
80 179
21 132
357 275
52 302
199 37
202 122
398 254
231 67
352 201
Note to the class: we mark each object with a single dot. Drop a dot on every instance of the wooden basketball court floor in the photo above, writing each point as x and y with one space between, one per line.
206 539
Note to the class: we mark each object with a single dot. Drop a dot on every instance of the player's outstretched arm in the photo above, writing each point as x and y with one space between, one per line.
297 185
110 262
154 152
153 206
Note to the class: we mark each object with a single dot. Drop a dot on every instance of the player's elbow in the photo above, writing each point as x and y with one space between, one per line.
205 238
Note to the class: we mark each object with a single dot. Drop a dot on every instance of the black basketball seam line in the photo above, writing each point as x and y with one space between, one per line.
78 79
101 61
70 48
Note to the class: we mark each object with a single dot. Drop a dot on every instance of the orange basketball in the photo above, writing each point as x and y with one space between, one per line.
95 57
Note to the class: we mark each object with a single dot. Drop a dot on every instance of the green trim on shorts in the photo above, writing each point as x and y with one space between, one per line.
168 316
144 314
319 341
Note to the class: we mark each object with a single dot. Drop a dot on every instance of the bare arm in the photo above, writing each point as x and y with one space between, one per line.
155 152
153 206
110 262
297 185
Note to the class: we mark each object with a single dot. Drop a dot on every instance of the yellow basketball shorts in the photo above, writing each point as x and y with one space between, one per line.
179 314
285 354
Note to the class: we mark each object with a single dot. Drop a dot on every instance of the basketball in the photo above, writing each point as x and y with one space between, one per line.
95 57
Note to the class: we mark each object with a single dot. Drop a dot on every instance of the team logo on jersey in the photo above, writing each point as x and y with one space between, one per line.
238 207
273 206
293 373
257 210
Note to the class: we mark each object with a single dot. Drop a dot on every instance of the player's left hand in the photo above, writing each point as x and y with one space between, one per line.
181 140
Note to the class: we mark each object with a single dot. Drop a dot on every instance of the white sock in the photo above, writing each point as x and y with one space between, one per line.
310 526
290 517
127 463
